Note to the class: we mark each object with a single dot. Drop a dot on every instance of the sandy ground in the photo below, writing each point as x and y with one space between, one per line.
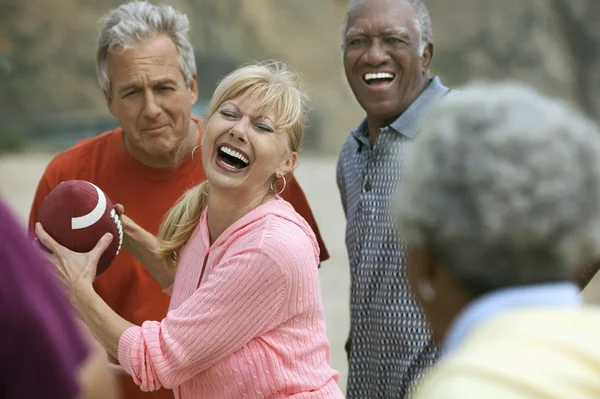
19 175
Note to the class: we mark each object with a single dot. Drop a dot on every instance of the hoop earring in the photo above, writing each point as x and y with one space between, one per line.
193 151
284 184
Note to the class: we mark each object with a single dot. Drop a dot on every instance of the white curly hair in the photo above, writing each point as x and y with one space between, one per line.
503 187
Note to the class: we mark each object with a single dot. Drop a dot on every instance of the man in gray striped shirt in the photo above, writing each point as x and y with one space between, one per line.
387 49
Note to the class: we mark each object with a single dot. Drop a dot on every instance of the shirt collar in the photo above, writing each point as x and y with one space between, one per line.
495 303
407 124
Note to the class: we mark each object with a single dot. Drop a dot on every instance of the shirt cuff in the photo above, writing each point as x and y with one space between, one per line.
124 348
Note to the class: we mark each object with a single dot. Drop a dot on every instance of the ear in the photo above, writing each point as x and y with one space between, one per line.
421 267
288 165
109 103
430 265
194 89
427 57
423 271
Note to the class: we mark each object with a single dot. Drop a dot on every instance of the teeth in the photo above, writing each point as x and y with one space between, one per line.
235 154
381 75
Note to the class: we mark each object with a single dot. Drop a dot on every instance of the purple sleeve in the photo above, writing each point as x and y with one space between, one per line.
41 345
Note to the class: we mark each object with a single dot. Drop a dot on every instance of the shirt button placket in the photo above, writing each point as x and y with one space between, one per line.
368 185
368 179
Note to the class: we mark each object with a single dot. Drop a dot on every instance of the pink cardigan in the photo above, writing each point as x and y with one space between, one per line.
253 327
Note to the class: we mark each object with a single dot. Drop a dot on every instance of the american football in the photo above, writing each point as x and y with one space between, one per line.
77 214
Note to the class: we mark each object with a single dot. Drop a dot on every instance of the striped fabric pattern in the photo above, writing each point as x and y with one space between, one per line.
391 341
250 326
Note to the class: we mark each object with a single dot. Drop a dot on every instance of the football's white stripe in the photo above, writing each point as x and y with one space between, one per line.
81 222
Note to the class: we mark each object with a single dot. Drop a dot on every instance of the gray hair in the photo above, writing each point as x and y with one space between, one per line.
423 23
503 187
133 23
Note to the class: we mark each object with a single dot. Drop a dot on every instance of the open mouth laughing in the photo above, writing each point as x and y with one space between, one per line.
232 158
378 80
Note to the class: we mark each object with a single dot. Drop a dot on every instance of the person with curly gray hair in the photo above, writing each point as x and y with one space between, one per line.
498 209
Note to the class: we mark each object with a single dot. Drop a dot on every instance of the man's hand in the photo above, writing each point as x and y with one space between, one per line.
141 244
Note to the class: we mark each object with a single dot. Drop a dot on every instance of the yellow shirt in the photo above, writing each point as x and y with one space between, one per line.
549 353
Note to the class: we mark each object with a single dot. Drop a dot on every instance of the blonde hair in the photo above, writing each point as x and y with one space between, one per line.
272 86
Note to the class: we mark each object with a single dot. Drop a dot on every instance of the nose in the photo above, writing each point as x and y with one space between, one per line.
239 130
152 108
376 54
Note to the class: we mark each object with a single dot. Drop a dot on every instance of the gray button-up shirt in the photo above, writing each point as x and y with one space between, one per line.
391 341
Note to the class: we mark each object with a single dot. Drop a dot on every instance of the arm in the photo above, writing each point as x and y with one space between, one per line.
136 240
104 323
77 272
339 174
240 300
339 177
41 335
139 243
32 353
95 379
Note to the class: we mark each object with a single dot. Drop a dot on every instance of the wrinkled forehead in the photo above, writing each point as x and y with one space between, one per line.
379 30
380 18
155 58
